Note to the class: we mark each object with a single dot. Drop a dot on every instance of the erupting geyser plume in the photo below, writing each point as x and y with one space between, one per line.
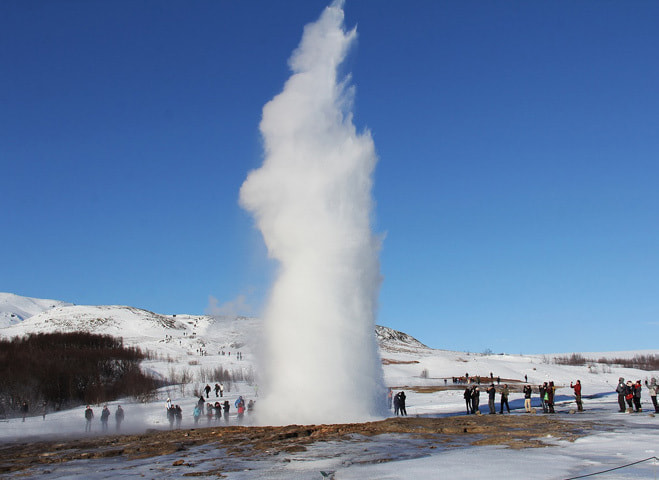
312 202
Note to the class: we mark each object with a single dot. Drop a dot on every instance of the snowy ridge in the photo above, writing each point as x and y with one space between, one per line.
106 319
14 308
138 326
393 340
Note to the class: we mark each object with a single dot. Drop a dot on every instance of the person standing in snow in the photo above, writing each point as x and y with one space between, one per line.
390 397
543 397
119 417
396 404
89 415
171 416
549 395
222 390
196 413
577 394
207 388
226 407
401 403
200 404
621 391
24 409
491 391
504 398
475 399
178 414
629 396
527 398
217 390
467 397
652 388
105 415
636 389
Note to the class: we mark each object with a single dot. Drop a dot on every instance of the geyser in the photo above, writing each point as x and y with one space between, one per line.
312 202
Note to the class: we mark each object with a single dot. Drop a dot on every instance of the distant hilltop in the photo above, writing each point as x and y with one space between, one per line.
23 315
14 308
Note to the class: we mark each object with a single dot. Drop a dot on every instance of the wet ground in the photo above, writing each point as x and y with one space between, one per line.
234 445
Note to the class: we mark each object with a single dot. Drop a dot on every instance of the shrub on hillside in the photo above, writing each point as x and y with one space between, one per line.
640 362
69 369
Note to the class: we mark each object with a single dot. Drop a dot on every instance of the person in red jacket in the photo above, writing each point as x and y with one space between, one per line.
577 394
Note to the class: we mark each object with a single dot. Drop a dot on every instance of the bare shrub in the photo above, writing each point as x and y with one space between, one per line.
640 362
575 359
64 369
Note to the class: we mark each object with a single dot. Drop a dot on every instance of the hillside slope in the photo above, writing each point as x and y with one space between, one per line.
15 308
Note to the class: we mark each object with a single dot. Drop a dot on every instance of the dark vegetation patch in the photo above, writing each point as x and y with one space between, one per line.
68 369
640 362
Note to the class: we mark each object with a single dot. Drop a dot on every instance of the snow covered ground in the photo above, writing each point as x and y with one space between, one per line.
194 344
14 308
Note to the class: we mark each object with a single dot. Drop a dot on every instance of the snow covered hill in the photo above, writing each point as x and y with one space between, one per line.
148 329
14 308
189 348
196 344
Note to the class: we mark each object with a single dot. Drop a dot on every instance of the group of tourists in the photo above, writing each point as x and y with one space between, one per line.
219 390
105 417
221 409
398 402
629 395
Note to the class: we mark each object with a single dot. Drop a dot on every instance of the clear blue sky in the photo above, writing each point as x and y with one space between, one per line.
518 181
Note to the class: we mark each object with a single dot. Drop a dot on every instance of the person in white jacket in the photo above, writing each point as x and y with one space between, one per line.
652 387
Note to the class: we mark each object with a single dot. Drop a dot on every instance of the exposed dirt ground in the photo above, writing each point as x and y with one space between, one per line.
514 431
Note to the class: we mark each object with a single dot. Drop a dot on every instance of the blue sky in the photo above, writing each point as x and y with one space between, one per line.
516 186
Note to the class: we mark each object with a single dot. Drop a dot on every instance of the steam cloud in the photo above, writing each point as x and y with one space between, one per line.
312 202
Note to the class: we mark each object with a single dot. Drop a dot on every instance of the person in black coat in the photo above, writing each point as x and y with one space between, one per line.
401 403
467 397
475 398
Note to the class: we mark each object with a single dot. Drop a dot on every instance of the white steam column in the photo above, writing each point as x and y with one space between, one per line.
312 202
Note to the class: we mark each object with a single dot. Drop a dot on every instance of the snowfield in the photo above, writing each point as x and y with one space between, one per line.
194 344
